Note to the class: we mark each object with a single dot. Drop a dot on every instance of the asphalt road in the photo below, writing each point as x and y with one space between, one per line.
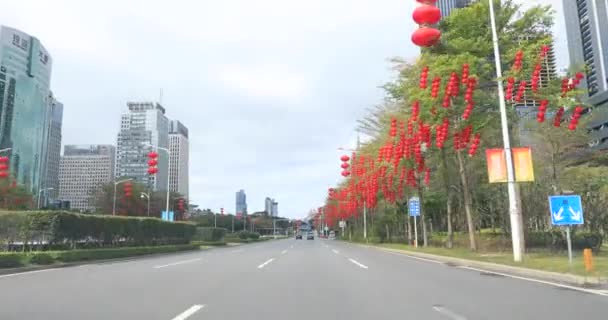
286 279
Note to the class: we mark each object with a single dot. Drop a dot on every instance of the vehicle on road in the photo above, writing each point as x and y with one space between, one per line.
299 236
332 235
310 236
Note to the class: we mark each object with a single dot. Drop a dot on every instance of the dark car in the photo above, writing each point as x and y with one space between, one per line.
310 236
299 236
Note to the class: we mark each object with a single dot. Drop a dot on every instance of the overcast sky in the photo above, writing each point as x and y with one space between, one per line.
269 89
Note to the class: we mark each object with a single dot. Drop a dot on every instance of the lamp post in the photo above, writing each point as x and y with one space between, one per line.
40 194
514 208
116 183
168 170
147 196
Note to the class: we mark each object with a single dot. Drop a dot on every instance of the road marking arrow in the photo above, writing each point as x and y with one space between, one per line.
557 216
576 216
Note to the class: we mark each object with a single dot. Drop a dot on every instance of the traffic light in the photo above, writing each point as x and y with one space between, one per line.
4 167
128 189
152 163
180 204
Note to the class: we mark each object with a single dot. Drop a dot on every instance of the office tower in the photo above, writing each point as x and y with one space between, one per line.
144 124
26 107
241 202
179 146
447 6
268 205
586 22
51 175
275 209
83 170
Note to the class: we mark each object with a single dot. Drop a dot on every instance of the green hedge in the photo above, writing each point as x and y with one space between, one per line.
61 229
556 240
209 234
12 260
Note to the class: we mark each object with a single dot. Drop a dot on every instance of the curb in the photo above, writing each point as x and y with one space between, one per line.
562 278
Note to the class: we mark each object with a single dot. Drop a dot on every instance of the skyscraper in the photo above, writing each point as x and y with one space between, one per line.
586 22
268 205
447 6
144 124
26 106
241 202
275 209
83 170
179 146
53 154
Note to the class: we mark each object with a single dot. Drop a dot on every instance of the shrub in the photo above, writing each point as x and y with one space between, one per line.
243 234
11 260
41 258
209 234
112 253
254 235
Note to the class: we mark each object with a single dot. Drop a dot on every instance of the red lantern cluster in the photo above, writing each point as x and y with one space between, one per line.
4 166
509 90
415 112
557 121
345 159
475 145
542 108
435 87
152 162
468 98
127 188
393 130
535 77
426 15
424 78
427 176
517 63
578 111
578 77
451 90
520 91
544 50
465 73
441 133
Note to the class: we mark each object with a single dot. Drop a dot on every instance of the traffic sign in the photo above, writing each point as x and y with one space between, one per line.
566 210
414 207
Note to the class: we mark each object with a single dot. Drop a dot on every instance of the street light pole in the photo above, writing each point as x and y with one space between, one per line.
146 195
168 170
514 208
116 183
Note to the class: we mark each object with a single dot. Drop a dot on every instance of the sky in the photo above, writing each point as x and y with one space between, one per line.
269 89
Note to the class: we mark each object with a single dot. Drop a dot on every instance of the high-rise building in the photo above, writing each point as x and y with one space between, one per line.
178 169
268 205
241 202
26 106
83 170
53 154
447 6
275 209
143 125
586 22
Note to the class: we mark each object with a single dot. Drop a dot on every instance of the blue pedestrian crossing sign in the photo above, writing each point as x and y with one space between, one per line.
414 206
566 210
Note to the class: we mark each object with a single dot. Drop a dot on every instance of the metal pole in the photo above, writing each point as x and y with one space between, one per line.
415 233
514 209
274 229
168 177
364 221
215 220
232 224
148 204
569 240
114 201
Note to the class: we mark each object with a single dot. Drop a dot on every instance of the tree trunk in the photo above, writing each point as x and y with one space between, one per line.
425 237
448 193
467 202
409 229
388 233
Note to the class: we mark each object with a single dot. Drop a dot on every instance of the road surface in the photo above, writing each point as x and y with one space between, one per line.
286 279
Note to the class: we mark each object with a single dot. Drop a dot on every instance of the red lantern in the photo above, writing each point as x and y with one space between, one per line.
426 37
128 189
3 174
152 170
426 14
345 158
3 166
152 155
344 165
152 162
345 173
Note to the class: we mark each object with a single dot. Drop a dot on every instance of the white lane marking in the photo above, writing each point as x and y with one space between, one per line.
265 263
27 272
448 313
335 251
291 246
413 257
284 251
357 263
192 310
598 292
176 263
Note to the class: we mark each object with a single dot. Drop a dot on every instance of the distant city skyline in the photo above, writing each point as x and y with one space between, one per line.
241 202
179 146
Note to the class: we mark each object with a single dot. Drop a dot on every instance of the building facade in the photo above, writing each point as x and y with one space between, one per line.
275 209
26 106
53 155
83 171
447 6
268 205
142 126
586 22
179 166
241 202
